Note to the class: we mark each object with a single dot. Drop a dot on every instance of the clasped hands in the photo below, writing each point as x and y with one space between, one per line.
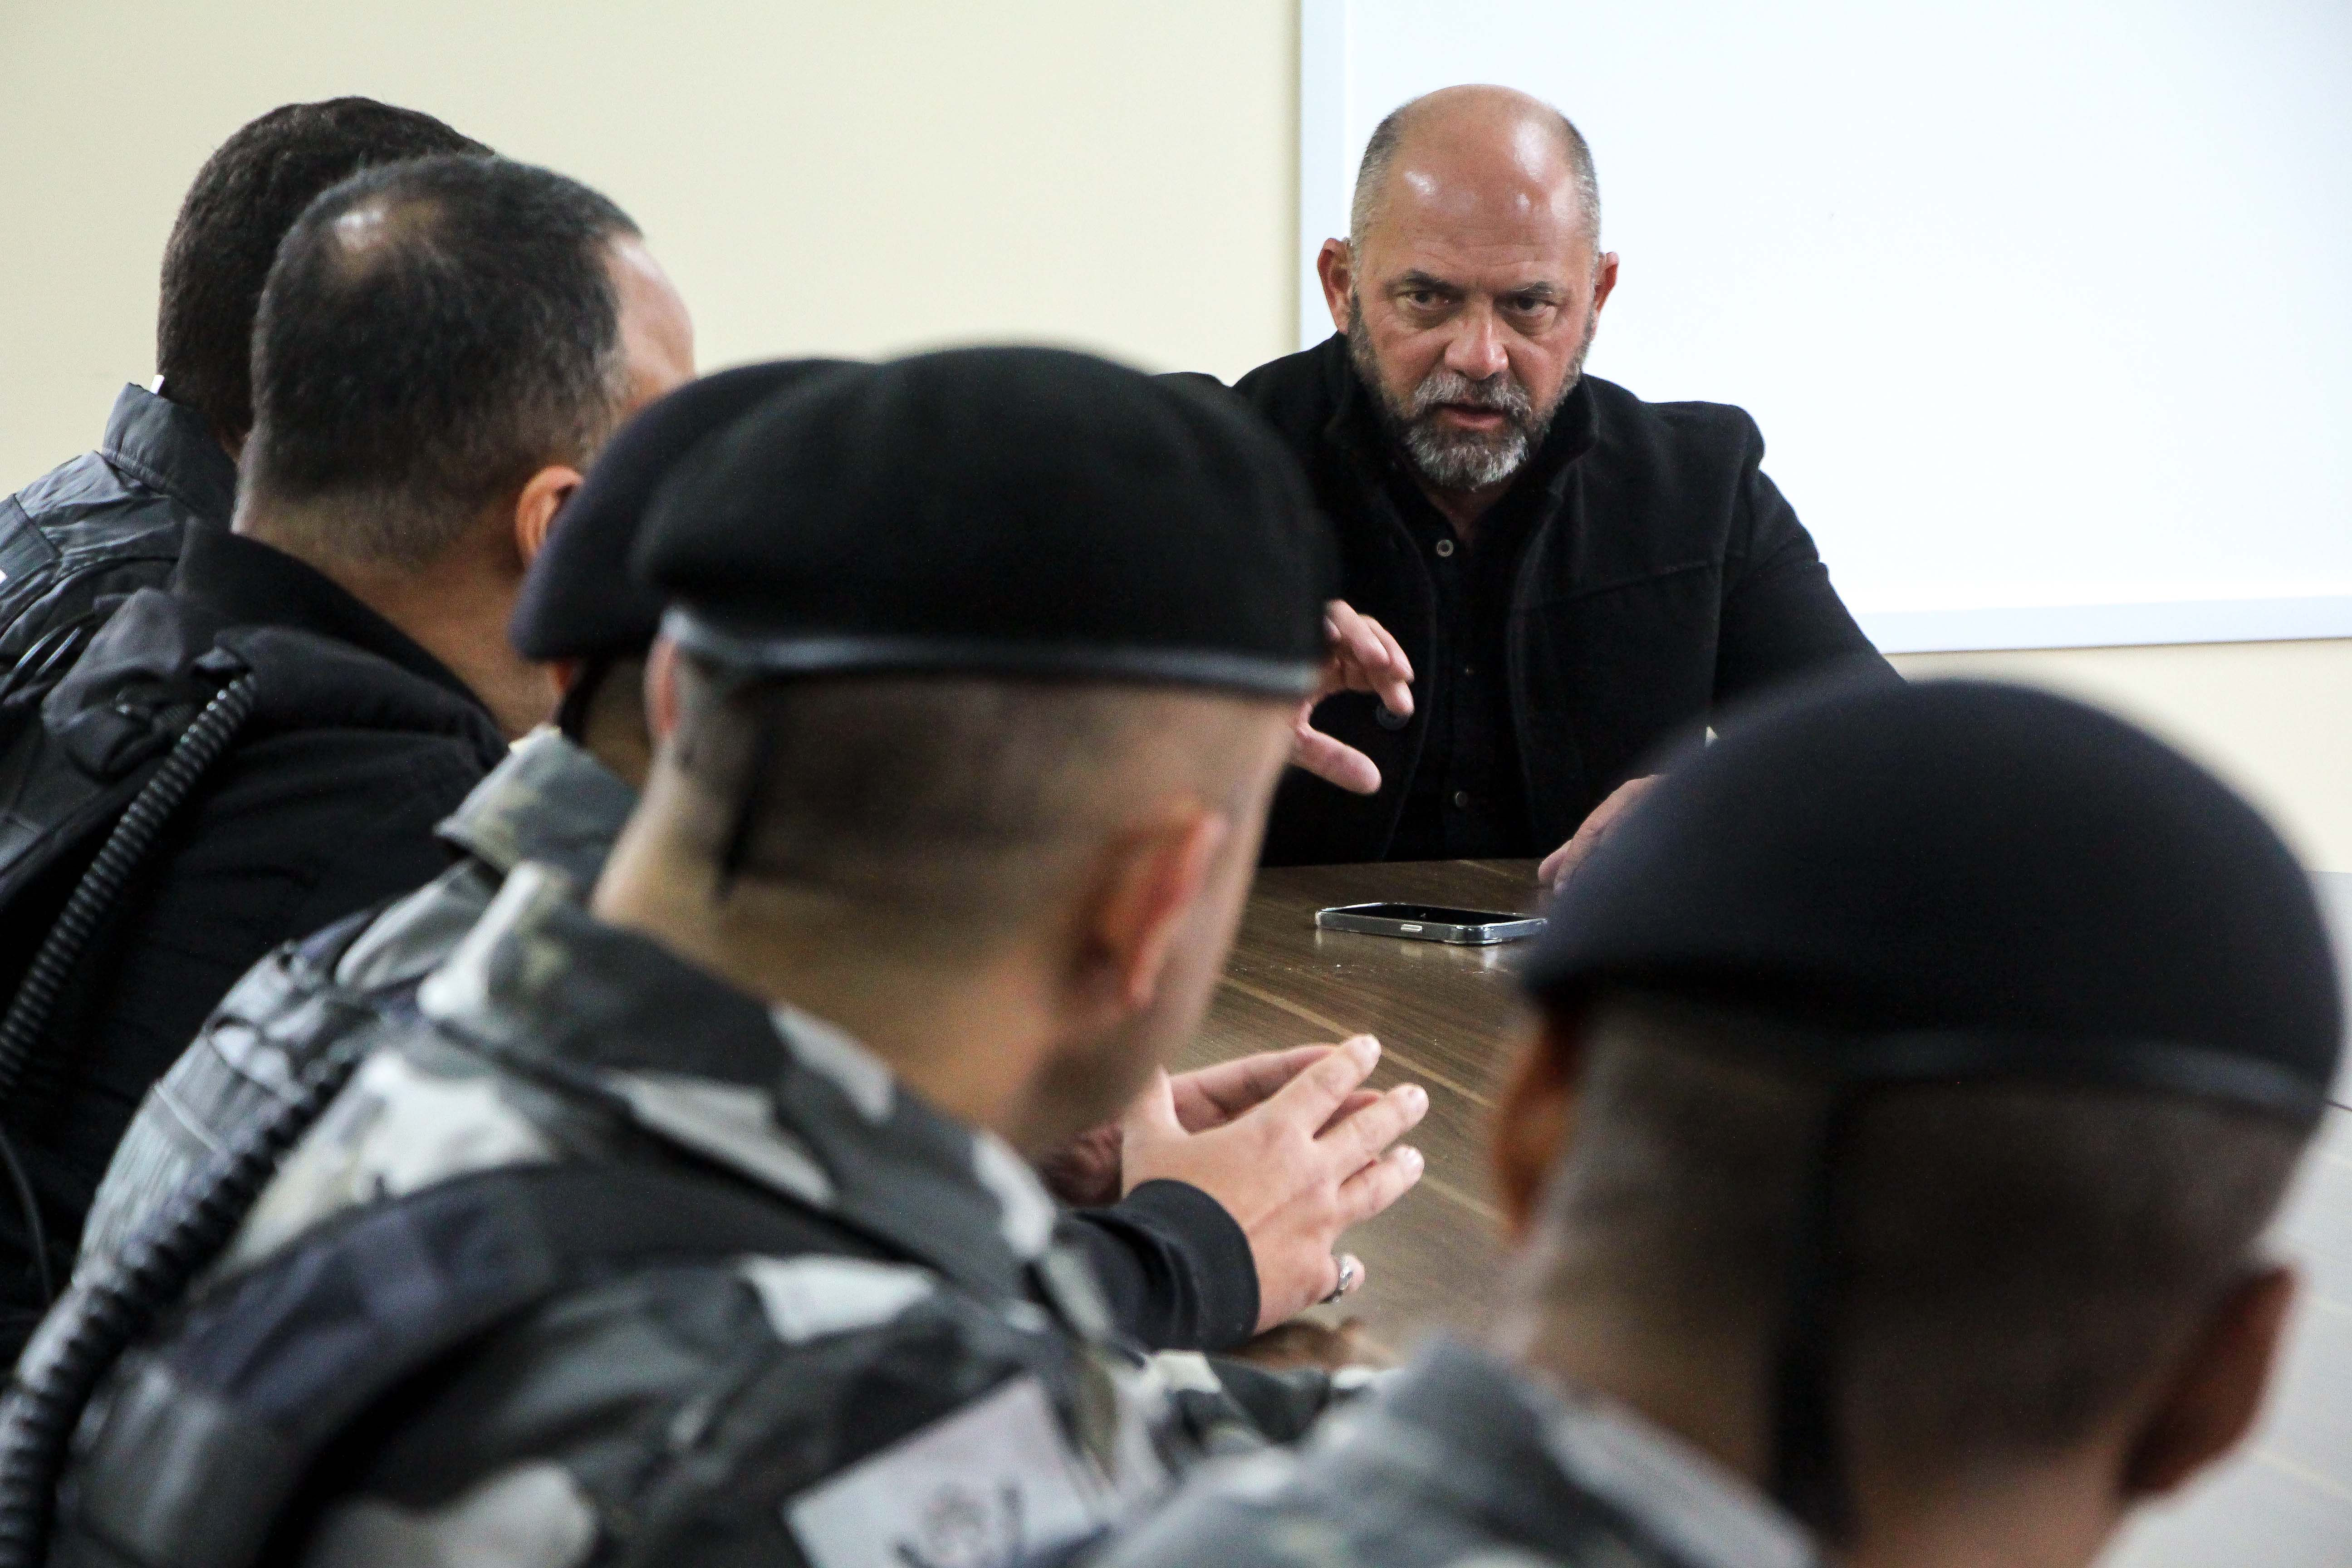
1290 1142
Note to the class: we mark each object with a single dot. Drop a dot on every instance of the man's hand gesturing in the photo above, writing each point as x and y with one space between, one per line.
1315 1158
1561 863
1362 657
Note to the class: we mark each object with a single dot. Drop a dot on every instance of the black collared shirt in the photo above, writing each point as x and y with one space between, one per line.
1467 799
1655 575
252 584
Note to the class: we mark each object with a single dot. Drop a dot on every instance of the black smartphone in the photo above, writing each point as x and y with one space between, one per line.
1429 923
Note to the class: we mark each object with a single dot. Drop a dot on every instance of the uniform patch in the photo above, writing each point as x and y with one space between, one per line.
989 1486
808 1298
533 1516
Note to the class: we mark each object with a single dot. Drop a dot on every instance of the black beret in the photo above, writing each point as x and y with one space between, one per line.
1981 880
1011 511
579 598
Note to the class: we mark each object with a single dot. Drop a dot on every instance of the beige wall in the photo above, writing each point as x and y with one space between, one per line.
1118 174
845 178
2276 718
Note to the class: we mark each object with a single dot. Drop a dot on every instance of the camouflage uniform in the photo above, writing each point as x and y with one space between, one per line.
1178 1269
549 801
1461 1460
933 1381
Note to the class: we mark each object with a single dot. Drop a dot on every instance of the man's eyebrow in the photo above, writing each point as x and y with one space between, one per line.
1550 293
1417 279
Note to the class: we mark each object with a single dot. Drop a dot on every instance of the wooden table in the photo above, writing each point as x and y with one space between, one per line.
1447 1017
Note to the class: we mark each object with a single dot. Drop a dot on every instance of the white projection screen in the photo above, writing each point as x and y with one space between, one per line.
2044 306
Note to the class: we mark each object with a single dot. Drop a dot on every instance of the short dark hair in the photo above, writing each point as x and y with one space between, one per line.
2014 1258
433 333
954 801
245 198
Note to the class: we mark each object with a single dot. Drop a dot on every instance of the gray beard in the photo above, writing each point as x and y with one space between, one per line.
1459 460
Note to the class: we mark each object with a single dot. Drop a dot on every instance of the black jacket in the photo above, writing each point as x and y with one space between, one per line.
325 805
1176 1268
1660 577
111 521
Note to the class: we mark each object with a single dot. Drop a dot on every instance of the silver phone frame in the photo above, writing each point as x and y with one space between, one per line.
1351 918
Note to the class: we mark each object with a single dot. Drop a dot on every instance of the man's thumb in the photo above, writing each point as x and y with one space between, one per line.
1153 1111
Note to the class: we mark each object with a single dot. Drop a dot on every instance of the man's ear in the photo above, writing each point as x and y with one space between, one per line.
1153 878
661 689
535 509
1604 280
1536 1116
1335 264
2216 1391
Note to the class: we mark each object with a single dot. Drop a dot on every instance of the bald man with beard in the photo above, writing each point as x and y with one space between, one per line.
1574 580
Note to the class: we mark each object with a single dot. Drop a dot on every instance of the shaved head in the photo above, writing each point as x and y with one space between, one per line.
1519 148
1470 284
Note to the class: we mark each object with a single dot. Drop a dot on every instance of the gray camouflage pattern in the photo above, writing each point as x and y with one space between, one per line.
1462 1460
943 1391
548 801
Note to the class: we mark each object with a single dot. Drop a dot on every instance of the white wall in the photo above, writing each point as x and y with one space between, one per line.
1945 252
850 179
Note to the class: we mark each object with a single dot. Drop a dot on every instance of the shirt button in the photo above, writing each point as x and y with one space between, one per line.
1445 547
1469 670
1461 797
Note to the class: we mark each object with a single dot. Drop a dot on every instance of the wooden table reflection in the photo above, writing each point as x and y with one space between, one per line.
1445 1018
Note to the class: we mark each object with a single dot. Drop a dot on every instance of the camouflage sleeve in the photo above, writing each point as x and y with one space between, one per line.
823 1410
286 1013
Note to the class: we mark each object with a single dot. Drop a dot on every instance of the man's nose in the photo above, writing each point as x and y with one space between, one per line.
1476 350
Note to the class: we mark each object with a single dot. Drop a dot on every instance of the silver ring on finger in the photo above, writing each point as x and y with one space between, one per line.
1351 1274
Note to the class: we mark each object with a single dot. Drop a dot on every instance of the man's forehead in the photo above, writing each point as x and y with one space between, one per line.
1474 257
1483 204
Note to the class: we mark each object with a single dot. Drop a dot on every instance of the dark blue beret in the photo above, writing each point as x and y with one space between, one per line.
579 598
1979 880
1013 511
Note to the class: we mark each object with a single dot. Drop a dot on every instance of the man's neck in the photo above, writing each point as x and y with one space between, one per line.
964 1032
2032 1515
2043 1515
1705 1394
1463 509
456 608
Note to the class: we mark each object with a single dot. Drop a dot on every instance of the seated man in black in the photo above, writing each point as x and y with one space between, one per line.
442 346
1575 577
111 521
